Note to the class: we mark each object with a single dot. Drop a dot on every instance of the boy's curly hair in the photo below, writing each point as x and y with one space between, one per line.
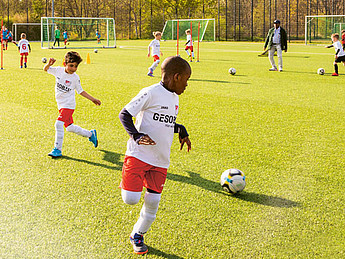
73 56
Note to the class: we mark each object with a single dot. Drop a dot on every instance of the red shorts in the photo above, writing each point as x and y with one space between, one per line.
65 115
24 54
137 174
189 47
155 58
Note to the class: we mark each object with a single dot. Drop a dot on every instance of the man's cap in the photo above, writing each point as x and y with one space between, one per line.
276 22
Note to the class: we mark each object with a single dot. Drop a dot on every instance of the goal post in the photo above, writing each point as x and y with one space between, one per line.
81 32
319 28
207 29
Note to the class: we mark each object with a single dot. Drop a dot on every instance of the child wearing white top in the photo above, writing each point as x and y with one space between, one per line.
156 52
189 44
148 149
67 82
339 52
24 49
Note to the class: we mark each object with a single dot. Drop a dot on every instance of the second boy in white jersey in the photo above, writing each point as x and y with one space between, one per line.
339 52
148 150
156 52
189 44
24 49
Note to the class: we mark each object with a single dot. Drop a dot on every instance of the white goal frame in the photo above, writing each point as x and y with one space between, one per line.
14 28
309 18
78 18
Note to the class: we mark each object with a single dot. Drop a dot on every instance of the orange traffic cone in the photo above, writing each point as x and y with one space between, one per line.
88 61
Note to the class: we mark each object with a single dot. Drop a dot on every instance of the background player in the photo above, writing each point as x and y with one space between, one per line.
339 52
65 37
343 38
4 38
24 49
156 52
98 36
148 150
67 81
57 36
189 44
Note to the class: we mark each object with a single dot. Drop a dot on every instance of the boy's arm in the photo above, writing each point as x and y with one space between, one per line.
329 46
91 98
187 42
183 136
49 64
29 47
149 51
127 121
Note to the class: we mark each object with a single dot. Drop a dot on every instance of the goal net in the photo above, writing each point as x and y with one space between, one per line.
319 28
81 32
32 31
207 29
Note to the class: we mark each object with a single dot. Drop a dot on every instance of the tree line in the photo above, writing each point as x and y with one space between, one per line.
137 19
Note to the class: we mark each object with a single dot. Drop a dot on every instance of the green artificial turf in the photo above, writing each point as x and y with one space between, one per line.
285 131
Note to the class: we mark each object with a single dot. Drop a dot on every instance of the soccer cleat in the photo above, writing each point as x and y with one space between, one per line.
24 65
273 69
93 138
280 70
138 244
55 153
335 74
21 66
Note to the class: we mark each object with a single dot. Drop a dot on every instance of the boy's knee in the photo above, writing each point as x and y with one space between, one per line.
129 197
70 128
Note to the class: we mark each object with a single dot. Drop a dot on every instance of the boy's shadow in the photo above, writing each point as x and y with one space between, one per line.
195 179
160 253
109 156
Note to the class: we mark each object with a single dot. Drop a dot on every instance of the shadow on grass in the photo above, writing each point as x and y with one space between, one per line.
219 81
155 251
109 156
195 179
266 200
301 72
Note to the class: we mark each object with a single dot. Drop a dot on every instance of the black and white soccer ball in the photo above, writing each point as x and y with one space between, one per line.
232 71
233 180
44 60
321 71
95 50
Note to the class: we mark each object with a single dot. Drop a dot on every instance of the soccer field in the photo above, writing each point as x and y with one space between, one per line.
285 131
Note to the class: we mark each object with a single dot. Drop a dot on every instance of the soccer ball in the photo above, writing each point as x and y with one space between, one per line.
233 180
321 71
44 60
232 71
95 50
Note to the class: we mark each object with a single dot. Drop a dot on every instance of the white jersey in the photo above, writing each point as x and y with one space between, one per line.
155 109
65 86
156 46
189 38
23 46
337 45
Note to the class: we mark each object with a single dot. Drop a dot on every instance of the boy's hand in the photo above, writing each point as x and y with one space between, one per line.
96 101
51 61
187 141
161 53
146 140
148 54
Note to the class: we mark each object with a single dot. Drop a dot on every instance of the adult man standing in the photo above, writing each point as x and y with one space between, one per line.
276 40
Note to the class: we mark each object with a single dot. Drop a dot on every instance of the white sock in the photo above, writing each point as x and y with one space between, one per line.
187 52
147 213
59 132
78 130
154 65
193 54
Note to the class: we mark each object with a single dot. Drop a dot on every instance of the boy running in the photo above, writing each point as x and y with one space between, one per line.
24 49
57 36
98 36
189 44
67 81
339 52
156 52
65 37
148 149
4 38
